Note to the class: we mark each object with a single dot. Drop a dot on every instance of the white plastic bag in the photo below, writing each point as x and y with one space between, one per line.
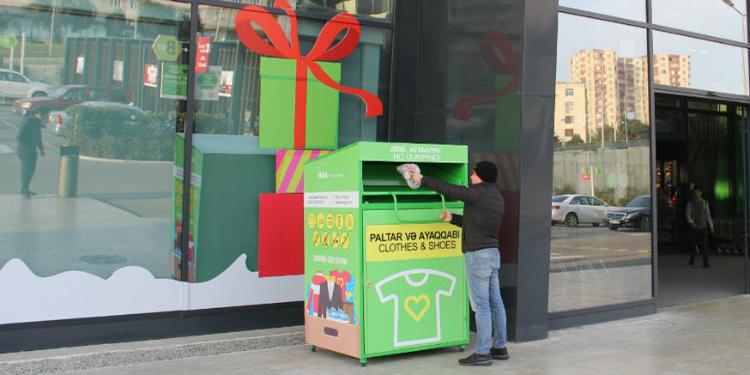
408 171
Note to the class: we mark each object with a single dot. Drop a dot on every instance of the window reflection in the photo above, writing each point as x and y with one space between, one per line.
687 62
369 8
600 211
721 18
632 9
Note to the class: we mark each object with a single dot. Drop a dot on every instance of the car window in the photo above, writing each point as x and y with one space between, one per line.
3 76
559 199
596 201
97 95
74 94
13 77
579 200
640 202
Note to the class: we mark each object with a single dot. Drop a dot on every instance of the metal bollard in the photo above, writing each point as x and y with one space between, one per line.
67 183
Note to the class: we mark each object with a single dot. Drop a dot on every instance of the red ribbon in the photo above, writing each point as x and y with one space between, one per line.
324 49
493 42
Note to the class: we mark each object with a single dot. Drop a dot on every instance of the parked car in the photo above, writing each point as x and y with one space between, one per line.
68 95
16 85
57 121
578 209
636 214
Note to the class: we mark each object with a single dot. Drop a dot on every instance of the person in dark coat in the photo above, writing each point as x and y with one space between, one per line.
483 213
698 217
29 142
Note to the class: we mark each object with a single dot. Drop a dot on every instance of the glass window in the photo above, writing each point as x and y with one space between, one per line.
13 77
608 164
721 18
632 9
115 226
688 62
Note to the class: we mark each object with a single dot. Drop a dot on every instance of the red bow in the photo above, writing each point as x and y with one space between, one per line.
492 42
323 50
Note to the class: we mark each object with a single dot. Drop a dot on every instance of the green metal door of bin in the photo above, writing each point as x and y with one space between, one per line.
415 290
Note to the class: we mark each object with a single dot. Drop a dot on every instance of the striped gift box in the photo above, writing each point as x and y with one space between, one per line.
289 167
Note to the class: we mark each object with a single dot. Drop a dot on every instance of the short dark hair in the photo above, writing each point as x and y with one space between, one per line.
697 187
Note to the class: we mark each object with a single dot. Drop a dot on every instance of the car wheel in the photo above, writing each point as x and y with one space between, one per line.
38 94
646 224
571 220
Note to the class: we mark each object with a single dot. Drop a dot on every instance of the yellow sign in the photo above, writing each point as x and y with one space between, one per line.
412 241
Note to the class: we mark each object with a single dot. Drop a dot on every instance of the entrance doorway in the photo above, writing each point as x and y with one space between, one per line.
701 142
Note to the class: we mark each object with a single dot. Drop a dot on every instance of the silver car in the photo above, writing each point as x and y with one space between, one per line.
58 120
574 209
16 85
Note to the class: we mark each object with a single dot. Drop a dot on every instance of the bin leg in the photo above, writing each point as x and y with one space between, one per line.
461 348
313 348
363 361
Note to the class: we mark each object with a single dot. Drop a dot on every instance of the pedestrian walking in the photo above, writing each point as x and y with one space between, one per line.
483 214
698 218
29 142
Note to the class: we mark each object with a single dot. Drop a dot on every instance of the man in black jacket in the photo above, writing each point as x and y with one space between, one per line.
483 214
29 140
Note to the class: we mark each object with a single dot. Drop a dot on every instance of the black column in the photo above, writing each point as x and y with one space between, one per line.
537 117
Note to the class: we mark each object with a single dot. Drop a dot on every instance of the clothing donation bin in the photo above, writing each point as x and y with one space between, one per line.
383 273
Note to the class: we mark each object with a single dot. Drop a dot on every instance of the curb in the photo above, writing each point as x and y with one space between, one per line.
123 161
118 358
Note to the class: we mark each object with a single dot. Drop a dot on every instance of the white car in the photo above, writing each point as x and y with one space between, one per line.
578 209
16 85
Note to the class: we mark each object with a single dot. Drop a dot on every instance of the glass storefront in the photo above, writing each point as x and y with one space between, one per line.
600 252
720 18
100 230
631 9
680 61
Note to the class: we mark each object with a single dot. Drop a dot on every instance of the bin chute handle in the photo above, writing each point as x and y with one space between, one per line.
402 220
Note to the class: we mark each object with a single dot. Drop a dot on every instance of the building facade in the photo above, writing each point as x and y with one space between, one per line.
148 94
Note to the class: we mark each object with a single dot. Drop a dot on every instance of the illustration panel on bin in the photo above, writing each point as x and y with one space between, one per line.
402 269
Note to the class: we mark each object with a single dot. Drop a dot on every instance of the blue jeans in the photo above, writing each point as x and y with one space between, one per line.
483 274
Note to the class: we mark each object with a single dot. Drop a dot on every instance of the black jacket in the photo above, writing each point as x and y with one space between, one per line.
29 137
483 211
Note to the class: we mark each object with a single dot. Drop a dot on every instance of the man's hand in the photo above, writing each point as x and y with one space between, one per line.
417 177
446 216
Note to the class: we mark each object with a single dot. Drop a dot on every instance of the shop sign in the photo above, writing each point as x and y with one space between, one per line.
166 47
80 64
117 70
174 79
203 55
8 41
227 81
208 84
150 75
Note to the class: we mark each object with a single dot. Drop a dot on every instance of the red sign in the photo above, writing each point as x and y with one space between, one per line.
204 54
150 75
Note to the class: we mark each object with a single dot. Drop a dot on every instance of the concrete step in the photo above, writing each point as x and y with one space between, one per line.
133 353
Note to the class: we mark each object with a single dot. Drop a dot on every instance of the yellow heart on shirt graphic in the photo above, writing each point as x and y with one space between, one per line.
420 303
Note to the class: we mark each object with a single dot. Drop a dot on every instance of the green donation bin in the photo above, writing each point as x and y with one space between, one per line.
383 274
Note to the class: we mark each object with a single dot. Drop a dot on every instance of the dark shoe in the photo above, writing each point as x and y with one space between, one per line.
476 360
31 193
501 354
691 262
705 263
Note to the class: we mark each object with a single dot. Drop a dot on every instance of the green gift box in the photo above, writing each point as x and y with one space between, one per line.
318 108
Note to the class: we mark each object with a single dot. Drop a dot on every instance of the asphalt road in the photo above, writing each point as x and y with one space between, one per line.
587 246
143 188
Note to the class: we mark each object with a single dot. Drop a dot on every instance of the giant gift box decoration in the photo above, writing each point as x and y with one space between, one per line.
290 166
313 123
